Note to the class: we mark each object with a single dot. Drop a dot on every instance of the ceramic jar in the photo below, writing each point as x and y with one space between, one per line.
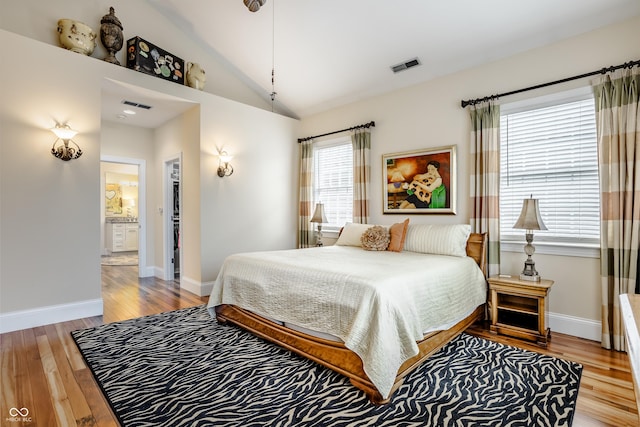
196 77
76 36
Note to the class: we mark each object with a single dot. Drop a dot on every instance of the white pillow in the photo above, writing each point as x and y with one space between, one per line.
351 234
438 239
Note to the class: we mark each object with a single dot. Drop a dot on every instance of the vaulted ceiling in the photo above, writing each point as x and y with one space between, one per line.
332 52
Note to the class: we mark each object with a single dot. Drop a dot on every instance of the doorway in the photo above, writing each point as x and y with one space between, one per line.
123 211
173 218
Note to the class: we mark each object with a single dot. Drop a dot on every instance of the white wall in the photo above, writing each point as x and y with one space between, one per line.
180 137
50 210
430 115
49 229
258 201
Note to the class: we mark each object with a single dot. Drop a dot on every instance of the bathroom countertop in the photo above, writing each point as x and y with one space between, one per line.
121 219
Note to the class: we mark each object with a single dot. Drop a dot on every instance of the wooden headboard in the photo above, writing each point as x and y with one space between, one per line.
477 249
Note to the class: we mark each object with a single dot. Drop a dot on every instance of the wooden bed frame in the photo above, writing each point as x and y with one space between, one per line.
334 355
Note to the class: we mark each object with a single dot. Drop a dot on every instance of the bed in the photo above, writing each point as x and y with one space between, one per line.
373 316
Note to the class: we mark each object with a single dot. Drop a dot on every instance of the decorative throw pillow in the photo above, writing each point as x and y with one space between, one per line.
397 234
438 239
375 238
351 234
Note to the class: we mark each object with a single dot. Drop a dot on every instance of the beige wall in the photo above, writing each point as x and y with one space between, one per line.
429 115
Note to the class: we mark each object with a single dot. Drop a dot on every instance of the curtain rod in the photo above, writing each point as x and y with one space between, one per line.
568 79
371 124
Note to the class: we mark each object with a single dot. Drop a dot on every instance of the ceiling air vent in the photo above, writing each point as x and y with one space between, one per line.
135 104
405 65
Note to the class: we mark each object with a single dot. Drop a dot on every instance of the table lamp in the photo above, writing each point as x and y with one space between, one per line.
319 218
530 220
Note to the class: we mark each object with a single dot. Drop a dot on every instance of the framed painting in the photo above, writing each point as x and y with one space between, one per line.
420 182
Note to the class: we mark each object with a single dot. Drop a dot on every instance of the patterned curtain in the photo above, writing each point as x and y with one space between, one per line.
485 178
305 208
618 121
361 140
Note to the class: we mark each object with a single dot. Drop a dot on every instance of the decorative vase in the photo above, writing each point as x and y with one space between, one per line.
196 77
76 36
111 35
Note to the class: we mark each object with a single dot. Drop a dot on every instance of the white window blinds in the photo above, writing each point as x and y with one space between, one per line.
551 153
333 181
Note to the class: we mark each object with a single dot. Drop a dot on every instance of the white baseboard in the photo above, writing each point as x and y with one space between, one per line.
186 283
148 271
576 326
25 319
158 272
199 288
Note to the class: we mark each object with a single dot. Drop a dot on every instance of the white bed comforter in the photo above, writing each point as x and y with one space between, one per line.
378 303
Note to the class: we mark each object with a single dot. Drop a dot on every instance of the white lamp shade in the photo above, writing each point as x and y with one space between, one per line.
64 132
318 215
530 218
224 157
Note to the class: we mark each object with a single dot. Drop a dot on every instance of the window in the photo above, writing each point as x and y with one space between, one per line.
549 151
333 180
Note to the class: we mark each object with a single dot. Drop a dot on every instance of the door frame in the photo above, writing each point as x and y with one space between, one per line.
143 271
167 222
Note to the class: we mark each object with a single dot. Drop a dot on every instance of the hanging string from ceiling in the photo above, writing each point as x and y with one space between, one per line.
273 55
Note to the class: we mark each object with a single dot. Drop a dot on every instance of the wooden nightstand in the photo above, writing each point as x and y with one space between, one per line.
518 308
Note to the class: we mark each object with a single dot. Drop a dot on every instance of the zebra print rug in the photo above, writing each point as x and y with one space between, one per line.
183 369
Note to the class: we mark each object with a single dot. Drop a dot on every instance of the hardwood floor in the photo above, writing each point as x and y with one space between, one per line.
43 371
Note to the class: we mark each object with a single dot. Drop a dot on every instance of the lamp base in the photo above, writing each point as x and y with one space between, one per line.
319 236
529 272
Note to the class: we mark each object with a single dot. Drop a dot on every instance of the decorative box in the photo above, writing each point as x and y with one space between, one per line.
149 59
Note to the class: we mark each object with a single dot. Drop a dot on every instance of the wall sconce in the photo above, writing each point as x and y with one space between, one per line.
224 168
63 151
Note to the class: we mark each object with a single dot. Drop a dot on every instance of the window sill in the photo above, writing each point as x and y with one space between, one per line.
551 248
